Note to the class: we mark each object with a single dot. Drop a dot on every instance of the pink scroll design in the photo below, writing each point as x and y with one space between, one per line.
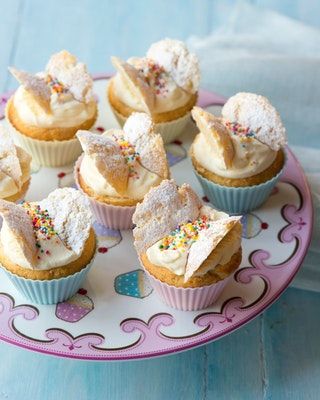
151 338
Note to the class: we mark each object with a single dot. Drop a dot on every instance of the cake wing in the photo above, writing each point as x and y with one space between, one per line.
215 132
162 210
136 83
139 131
9 161
71 73
207 242
70 211
20 225
256 113
175 58
34 85
108 159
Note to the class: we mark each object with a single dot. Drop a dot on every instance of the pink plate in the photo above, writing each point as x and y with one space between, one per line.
116 315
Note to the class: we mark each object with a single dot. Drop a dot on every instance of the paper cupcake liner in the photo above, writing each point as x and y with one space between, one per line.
49 291
188 299
168 130
237 200
114 217
47 153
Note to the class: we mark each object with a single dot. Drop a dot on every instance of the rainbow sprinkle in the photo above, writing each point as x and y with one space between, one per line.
184 235
239 130
55 85
42 224
155 76
129 153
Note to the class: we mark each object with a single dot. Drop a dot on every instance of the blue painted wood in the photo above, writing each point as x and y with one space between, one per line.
292 347
274 357
9 30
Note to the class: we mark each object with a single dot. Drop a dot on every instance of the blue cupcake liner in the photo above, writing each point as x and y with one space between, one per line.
237 200
49 291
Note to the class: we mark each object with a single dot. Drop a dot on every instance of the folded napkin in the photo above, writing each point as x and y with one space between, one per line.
264 52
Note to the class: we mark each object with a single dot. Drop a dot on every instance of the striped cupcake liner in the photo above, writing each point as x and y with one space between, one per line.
114 217
237 200
168 130
49 291
188 299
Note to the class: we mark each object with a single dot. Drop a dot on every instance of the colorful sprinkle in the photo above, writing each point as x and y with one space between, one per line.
42 223
239 130
129 153
155 75
56 86
184 235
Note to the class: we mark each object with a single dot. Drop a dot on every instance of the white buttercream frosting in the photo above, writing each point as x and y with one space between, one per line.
170 71
139 182
14 166
175 257
55 253
64 114
59 97
55 230
250 157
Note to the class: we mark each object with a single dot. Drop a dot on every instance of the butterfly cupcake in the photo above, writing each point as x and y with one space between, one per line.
163 84
188 250
119 167
47 247
14 169
238 158
48 109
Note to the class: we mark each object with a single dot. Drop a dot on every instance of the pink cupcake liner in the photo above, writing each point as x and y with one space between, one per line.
114 217
188 299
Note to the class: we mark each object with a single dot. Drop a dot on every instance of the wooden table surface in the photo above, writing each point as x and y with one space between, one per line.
276 356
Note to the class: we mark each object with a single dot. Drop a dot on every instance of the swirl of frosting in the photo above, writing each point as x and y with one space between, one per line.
232 150
14 166
170 72
61 96
46 234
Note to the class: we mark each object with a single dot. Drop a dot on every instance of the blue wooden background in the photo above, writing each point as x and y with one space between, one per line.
277 356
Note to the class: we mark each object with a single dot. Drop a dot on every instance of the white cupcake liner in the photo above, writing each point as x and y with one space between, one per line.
114 217
47 153
168 130
188 299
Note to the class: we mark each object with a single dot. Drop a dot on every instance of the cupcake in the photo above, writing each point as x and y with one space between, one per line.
14 169
188 250
163 84
48 109
119 167
46 247
239 157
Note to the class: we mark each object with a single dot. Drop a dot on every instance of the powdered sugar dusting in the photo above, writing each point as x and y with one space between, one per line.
183 66
73 74
9 161
162 210
137 125
108 158
34 84
139 131
215 133
207 242
70 210
137 83
256 113
21 228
